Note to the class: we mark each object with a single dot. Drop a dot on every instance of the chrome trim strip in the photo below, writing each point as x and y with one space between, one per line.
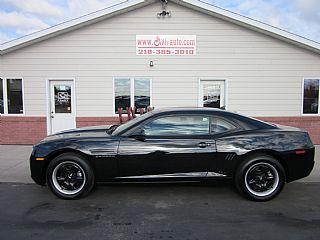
171 175
176 175
214 174
167 180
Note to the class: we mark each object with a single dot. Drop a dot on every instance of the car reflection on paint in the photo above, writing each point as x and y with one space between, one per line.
179 144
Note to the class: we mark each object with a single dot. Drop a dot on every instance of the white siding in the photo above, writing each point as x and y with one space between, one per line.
264 74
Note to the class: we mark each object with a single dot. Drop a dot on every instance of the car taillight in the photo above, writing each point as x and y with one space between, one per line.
299 152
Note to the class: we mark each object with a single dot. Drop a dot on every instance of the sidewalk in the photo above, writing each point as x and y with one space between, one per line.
14 164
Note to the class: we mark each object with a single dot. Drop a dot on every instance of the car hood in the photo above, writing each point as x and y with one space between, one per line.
86 129
85 132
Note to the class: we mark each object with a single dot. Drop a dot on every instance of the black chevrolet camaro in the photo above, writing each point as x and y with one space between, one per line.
185 144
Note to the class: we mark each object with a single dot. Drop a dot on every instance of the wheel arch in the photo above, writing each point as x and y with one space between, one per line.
269 152
61 151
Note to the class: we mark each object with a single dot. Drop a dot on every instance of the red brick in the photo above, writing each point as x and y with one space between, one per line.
309 123
22 130
95 121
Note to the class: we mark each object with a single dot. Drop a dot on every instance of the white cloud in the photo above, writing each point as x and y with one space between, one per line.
76 8
310 9
18 24
36 7
20 21
299 16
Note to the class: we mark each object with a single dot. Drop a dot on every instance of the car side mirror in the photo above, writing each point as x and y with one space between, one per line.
139 135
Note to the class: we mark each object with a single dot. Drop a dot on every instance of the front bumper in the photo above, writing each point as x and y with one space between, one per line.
37 169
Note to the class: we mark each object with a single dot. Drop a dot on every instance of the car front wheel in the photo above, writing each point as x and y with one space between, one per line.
70 176
260 178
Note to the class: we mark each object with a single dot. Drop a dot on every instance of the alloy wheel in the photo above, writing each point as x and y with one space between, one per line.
261 179
68 177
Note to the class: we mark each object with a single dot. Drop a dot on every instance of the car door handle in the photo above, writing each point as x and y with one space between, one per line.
204 145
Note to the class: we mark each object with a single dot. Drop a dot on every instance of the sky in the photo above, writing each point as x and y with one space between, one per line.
21 17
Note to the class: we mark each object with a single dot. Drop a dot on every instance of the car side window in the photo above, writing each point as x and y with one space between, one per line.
219 125
178 125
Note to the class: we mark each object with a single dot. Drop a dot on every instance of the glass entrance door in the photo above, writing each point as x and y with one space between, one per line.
62 114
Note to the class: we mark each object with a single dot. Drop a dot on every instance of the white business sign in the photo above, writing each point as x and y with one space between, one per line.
166 44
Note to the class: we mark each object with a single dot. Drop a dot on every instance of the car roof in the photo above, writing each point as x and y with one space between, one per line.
189 109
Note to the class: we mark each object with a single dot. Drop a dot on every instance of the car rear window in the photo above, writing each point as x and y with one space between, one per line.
219 125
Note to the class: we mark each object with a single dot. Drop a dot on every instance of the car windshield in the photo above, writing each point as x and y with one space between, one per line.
130 123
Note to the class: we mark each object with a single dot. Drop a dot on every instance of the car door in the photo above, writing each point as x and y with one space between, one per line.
223 130
178 145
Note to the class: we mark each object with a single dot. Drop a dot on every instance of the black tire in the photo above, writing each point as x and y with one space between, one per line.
255 173
77 172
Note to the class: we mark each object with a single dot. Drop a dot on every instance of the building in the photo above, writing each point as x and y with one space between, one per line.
146 52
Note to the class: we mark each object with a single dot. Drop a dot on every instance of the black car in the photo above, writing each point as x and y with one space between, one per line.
186 144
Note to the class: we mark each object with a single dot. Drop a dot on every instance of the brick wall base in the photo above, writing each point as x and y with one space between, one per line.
95 121
22 130
310 124
30 130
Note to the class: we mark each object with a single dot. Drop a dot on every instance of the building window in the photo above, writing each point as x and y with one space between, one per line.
141 93
212 93
122 93
1 97
14 96
311 96
132 92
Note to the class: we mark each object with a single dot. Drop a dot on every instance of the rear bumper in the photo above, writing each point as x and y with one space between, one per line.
299 165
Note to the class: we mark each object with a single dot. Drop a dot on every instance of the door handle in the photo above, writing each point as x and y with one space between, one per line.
204 145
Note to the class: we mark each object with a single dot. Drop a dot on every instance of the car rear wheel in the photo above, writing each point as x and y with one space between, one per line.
260 178
70 176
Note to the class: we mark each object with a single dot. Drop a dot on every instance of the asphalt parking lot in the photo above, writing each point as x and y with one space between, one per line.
162 211
152 211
